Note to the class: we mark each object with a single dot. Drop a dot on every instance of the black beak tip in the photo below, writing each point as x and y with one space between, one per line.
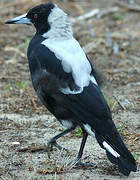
6 22
9 22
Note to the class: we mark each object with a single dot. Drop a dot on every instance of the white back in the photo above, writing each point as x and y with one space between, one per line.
73 60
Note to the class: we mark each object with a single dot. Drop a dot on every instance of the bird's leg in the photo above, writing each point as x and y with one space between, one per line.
52 141
77 161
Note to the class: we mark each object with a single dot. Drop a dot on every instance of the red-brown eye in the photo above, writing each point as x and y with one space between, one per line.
35 16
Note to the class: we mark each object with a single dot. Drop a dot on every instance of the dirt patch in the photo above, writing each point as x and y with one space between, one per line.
24 122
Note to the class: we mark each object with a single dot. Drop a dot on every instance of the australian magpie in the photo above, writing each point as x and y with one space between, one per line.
65 82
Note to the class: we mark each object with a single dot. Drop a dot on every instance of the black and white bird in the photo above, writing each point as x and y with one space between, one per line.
65 82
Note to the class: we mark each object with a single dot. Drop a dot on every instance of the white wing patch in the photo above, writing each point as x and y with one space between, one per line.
73 60
88 129
110 149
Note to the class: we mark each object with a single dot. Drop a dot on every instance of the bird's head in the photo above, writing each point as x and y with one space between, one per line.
49 20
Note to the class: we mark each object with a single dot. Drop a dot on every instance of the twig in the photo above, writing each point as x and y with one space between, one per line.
107 11
115 48
32 100
90 14
108 38
130 41
95 12
32 148
8 77
129 6
16 50
121 105
2 178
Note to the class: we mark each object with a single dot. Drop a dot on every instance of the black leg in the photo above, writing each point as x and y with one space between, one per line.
53 142
77 161
84 139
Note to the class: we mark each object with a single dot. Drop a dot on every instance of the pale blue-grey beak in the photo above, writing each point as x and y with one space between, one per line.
19 20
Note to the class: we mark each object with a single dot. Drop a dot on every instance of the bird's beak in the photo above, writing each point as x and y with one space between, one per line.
19 20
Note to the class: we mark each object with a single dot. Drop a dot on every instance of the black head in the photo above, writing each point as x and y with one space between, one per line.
49 20
38 16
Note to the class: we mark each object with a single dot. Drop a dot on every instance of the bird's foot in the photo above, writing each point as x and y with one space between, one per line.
49 146
77 162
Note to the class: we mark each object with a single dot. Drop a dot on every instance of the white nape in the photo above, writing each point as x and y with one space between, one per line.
88 129
60 25
110 149
66 123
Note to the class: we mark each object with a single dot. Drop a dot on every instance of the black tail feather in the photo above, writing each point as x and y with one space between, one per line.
124 166
125 163
111 158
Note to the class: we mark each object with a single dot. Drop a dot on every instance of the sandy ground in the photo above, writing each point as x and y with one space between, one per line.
25 123
35 131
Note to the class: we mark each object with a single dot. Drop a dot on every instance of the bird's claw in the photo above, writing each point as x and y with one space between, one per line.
77 162
85 164
49 146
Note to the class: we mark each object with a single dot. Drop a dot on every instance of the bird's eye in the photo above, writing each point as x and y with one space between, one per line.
35 16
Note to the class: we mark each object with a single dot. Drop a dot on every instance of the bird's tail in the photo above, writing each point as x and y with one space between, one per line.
119 155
